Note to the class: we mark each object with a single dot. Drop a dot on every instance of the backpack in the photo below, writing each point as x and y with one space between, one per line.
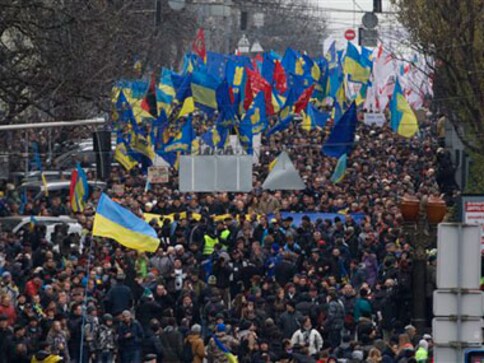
187 352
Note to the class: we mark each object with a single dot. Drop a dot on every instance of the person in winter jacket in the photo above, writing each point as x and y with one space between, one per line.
196 342
335 322
106 340
214 352
289 321
362 304
308 337
57 339
130 336
422 354
172 342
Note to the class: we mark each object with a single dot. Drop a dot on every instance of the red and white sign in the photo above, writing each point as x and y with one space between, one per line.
474 214
350 34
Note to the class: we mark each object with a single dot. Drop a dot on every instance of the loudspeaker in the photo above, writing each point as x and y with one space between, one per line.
102 148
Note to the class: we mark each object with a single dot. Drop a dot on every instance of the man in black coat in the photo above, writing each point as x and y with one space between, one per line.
119 297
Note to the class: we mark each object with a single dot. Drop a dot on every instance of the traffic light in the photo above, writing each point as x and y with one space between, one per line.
377 7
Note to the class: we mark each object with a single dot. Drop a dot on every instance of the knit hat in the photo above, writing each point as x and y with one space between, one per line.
196 328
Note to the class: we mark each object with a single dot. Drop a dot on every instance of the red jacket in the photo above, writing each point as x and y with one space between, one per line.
31 288
9 311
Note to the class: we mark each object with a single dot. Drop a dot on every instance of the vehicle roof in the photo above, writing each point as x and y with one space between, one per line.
59 184
40 218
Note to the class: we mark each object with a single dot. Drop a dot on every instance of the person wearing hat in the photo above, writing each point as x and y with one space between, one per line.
130 336
219 342
8 286
106 340
195 344
289 320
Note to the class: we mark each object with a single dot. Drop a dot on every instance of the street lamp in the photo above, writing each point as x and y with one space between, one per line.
421 218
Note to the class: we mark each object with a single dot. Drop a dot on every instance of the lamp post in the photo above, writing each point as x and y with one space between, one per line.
420 226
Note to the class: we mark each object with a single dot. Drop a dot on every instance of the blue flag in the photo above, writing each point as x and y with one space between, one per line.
341 139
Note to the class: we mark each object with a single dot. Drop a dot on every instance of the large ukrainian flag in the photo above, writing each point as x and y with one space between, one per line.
403 120
114 221
354 66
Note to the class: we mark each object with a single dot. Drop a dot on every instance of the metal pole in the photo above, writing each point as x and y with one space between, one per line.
84 303
459 294
26 153
41 125
50 145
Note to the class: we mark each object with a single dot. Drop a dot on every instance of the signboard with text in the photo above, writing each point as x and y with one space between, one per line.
473 212
374 118
158 174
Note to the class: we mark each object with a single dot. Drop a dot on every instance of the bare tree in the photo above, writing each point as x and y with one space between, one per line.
452 32
60 58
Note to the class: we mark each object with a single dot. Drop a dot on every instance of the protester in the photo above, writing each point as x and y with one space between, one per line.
253 271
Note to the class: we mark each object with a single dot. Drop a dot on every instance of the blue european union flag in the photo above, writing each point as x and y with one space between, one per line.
216 64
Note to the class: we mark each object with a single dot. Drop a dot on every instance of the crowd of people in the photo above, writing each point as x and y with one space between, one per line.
252 284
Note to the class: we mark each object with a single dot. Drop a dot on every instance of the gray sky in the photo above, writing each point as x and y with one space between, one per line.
339 21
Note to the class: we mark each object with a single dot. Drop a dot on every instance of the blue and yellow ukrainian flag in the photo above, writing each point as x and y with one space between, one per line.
115 222
79 189
403 120
122 157
340 169
230 357
354 66
204 91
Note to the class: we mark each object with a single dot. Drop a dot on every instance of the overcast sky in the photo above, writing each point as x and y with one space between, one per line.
339 21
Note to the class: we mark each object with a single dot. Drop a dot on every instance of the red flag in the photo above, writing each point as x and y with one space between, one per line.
280 77
198 45
248 95
303 100
258 83
149 102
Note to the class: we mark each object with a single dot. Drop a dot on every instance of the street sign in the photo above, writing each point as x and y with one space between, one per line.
350 34
369 20
367 37
158 174
451 246
473 212
445 331
447 355
445 303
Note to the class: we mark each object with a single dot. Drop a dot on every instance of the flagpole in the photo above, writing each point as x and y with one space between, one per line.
84 303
